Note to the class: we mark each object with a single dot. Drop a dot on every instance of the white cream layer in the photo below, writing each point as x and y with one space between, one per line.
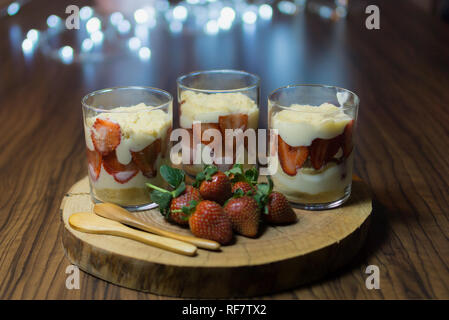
208 107
299 125
326 181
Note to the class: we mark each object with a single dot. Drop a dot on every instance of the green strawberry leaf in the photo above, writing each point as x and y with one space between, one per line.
173 176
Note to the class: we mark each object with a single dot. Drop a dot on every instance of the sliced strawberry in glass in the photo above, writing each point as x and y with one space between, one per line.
166 143
204 127
121 173
291 158
347 139
333 146
106 135
233 121
145 159
94 163
318 152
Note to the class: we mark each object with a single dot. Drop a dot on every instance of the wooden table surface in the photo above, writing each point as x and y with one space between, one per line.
400 72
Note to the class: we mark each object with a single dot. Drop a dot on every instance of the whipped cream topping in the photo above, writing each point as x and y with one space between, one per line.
208 107
299 125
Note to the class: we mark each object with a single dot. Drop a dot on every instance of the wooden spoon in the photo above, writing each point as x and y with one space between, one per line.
91 223
117 213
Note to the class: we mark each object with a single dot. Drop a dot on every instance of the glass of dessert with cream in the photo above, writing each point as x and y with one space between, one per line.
218 100
127 133
314 126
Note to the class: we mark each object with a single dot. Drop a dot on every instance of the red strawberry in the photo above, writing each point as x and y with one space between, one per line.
233 121
121 173
204 127
176 215
244 213
217 189
193 191
106 136
94 163
209 221
243 185
279 209
146 158
291 158
347 139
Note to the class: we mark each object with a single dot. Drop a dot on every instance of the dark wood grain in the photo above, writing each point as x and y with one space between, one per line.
400 72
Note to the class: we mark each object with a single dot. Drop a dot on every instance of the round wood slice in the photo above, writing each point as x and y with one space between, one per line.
281 258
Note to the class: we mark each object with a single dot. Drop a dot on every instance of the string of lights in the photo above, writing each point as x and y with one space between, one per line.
132 30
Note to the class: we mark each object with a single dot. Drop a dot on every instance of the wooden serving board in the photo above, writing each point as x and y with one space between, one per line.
281 258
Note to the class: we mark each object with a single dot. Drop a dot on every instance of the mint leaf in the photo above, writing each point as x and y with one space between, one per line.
236 169
188 210
163 199
206 174
263 189
209 171
173 176
251 175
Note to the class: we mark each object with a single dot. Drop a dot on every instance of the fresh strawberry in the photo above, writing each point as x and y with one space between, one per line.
121 173
214 185
347 139
106 135
279 209
233 121
176 215
209 221
203 127
244 213
243 185
193 191
276 208
291 158
145 159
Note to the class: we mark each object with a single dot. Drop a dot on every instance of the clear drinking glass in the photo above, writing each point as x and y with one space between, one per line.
127 132
315 143
218 100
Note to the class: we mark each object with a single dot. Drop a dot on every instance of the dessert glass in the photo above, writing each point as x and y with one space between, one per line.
218 100
127 133
315 143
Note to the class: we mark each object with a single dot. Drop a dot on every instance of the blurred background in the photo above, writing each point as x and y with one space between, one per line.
151 42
